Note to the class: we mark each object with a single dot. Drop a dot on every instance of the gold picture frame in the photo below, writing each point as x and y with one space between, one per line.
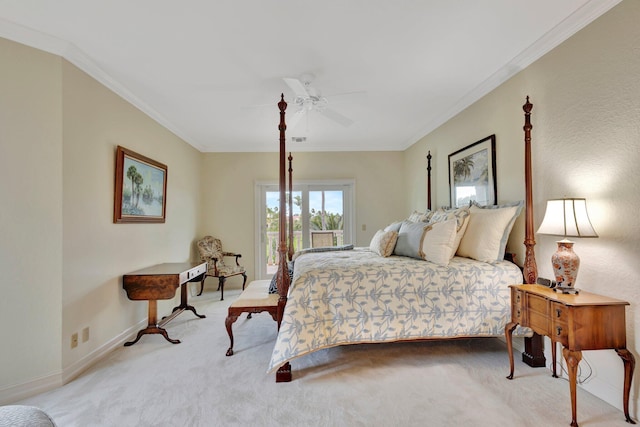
140 194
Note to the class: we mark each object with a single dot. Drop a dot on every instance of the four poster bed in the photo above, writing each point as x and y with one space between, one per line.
410 284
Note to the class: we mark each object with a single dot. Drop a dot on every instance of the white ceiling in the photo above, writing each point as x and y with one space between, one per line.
211 70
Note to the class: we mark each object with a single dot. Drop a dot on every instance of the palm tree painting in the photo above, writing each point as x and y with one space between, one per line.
472 174
142 193
140 188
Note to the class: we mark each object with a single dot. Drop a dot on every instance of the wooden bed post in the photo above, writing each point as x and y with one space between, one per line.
290 253
530 268
283 280
429 180
533 354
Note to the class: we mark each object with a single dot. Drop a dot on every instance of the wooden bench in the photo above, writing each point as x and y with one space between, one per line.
254 299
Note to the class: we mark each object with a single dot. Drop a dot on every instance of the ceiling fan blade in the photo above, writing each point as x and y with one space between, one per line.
297 87
336 117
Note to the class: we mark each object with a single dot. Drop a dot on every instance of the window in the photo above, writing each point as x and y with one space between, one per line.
323 215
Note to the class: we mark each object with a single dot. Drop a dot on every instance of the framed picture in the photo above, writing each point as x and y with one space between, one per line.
472 173
141 188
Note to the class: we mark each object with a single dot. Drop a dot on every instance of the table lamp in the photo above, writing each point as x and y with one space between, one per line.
567 218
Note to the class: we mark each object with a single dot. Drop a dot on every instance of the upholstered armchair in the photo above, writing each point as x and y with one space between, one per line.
211 251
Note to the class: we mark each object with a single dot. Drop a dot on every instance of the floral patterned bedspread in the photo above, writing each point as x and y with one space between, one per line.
356 296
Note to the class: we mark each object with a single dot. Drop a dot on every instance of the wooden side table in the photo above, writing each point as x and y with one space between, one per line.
584 321
160 282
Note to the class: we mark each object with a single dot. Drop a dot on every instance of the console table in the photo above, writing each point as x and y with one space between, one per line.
583 321
160 282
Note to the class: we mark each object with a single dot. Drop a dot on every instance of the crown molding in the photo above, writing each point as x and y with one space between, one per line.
77 57
561 32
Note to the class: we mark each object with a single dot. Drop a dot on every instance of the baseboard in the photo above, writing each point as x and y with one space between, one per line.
13 394
74 370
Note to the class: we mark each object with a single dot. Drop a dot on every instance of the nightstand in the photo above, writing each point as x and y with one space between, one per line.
583 321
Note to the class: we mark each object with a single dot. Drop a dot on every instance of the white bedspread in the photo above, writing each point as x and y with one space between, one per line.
356 296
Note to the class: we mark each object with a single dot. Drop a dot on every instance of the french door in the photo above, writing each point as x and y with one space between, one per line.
323 214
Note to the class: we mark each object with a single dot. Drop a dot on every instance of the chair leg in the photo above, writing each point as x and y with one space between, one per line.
221 287
244 281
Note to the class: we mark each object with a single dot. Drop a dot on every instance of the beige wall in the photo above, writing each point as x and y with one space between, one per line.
500 115
586 143
229 207
96 251
62 256
30 216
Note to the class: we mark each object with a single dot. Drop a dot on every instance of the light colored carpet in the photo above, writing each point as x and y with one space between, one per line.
439 383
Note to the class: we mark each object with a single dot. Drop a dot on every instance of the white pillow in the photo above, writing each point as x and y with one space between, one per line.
485 238
383 242
438 242
462 217
460 234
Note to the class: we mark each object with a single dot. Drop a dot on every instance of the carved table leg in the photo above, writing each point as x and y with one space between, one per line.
508 332
152 326
183 302
629 365
573 359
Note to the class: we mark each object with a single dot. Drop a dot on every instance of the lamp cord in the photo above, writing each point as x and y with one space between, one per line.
579 377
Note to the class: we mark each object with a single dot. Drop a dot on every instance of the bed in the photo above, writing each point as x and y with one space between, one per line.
415 287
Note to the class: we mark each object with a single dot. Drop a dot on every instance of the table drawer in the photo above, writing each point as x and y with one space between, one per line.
538 313
516 306
517 315
560 332
517 296
559 312
195 272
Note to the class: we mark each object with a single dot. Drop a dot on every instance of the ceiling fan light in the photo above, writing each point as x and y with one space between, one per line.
308 104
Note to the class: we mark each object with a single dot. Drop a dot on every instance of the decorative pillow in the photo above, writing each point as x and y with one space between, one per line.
395 226
383 242
410 239
488 231
273 286
420 216
438 242
461 216
442 214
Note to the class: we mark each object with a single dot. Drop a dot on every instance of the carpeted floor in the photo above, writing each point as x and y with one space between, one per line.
439 383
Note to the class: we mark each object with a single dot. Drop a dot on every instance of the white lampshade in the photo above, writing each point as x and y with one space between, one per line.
568 218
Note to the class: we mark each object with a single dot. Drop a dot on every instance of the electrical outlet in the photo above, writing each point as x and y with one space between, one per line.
364 227
85 334
74 340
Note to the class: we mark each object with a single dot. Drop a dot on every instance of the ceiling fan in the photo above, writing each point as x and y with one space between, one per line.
308 98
